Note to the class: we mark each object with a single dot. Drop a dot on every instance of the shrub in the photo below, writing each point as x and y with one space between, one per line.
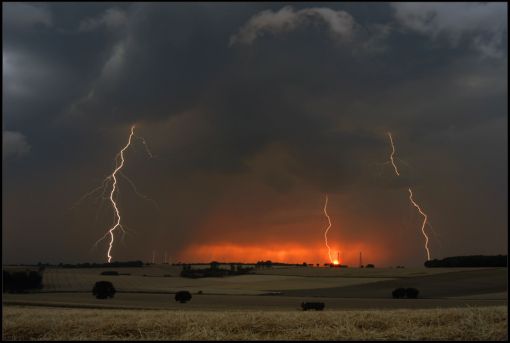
21 281
183 296
398 293
103 290
312 305
369 266
412 293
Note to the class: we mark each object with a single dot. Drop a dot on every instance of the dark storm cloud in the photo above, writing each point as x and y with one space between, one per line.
214 86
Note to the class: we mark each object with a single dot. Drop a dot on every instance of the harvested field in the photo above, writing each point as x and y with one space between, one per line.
82 280
207 302
25 323
460 283
358 272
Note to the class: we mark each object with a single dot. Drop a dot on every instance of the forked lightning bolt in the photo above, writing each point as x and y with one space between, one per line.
114 188
411 199
326 232
119 164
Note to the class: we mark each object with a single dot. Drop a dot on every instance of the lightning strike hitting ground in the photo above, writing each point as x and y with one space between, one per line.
119 164
423 224
114 204
411 199
326 232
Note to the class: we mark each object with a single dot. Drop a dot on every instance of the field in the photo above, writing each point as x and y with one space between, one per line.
84 324
454 303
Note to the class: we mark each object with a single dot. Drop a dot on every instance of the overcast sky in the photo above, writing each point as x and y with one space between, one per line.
254 112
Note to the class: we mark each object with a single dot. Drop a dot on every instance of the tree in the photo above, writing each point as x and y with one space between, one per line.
369 266
21 281
182 296
399 293
103 290
412 293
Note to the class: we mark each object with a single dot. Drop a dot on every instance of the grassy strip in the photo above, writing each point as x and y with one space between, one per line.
480 323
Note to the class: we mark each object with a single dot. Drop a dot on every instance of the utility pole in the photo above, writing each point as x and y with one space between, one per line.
153 256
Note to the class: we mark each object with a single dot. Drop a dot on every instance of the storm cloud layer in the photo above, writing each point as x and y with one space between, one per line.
254 113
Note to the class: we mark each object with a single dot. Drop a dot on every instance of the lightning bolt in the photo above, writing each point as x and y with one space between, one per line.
114 193
393 153
423 224
411 199
326 232
114 188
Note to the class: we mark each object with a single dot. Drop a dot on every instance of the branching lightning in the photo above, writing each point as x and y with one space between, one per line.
411 199
114 193
326 232
114 188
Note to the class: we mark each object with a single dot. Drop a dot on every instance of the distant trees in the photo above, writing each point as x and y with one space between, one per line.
267 264
102 265
370 265
103 290
182 296
472 261
21 281
213 271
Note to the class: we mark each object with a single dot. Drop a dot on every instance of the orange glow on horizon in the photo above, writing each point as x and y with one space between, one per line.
276 252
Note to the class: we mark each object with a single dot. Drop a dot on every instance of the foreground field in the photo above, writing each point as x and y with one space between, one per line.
213 302
26 323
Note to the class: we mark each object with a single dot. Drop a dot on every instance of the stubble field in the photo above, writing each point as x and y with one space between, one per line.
454 304
87 324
